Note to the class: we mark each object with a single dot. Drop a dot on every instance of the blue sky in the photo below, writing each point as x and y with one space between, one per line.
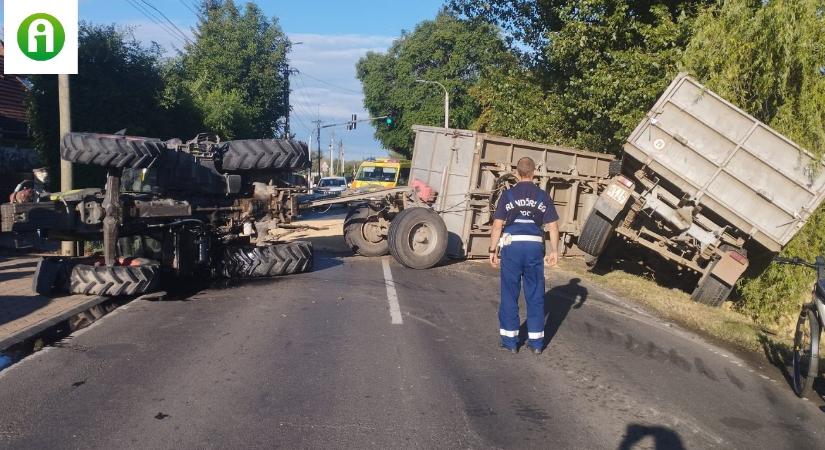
335 34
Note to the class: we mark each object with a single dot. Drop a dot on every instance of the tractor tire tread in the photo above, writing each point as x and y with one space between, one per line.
112 151
264 154
267 261
114 281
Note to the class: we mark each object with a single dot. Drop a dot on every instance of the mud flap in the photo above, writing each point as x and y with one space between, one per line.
613 200
730 267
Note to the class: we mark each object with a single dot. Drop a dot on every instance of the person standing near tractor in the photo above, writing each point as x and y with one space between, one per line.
523 214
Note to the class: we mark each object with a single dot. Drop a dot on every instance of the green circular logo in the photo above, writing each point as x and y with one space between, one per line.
41 37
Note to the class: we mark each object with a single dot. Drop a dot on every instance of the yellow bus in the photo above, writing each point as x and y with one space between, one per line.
385 173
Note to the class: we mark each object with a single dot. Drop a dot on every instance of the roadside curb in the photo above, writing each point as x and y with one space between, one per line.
44 325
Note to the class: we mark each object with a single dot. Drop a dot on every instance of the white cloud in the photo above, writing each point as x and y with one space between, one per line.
325 84
166 36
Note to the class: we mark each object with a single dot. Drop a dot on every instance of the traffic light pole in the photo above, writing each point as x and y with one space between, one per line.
446 100
318 139
319 126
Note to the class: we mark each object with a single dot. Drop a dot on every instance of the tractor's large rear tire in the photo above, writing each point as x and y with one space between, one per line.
269 261
110 150
418 238
264 154
362 232
595 234
114 281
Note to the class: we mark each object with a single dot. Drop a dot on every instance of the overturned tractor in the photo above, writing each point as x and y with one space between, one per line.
201 208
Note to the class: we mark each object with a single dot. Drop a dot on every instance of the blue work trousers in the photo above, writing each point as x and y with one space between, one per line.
522 261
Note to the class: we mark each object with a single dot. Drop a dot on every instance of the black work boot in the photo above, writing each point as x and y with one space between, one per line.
507 349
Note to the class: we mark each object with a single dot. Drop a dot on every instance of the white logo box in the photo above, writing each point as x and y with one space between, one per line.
15 12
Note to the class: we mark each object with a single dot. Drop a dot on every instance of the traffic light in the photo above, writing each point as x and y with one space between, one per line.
353 124
390 121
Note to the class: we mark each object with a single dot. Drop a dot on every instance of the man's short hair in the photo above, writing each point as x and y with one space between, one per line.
526 167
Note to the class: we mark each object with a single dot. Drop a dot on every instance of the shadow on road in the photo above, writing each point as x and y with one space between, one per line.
12 271
22 265
663 438
779 356
187 289
324 259
13 307
558 302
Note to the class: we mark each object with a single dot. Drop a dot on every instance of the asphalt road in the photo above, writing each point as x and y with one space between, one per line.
315 361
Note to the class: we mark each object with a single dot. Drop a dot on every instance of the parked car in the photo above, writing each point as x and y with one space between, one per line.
331 185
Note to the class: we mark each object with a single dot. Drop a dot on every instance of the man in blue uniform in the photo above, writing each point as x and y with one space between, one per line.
523 213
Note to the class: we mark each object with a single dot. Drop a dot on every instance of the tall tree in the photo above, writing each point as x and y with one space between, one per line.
234 71
768 57
118 86
599 64
448 50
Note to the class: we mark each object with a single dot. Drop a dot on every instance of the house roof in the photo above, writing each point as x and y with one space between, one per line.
13 121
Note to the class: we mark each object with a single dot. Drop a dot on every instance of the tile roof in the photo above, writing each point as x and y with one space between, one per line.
13 121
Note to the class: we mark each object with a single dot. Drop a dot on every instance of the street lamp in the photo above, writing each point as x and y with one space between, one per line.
446 101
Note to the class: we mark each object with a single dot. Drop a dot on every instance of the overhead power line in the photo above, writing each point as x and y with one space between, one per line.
147 13
182 34
189 7
329 84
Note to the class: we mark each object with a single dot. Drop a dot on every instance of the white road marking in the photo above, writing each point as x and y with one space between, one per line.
392 296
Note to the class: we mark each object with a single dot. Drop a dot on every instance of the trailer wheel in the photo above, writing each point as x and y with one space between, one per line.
711 291
110 150
595 234
264 154
114 281
418 238
269 261
614 168
363 234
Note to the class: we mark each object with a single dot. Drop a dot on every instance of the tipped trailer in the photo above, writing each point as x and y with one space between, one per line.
705 186
459 176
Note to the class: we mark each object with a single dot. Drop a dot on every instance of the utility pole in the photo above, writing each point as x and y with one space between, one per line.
309 171
318 138
341 158
66 179
286 74
331 158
